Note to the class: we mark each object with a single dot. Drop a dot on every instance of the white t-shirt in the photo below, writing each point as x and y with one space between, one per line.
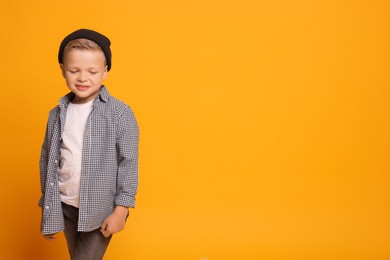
71 152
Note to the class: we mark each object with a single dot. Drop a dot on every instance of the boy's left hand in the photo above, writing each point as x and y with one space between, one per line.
115 222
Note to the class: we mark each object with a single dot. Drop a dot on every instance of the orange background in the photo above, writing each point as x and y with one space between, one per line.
264 125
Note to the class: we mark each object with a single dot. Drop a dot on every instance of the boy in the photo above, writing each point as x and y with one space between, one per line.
89 157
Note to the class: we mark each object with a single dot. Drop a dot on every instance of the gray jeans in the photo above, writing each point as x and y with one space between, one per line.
82 245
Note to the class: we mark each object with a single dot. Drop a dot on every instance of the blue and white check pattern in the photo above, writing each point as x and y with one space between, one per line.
109 170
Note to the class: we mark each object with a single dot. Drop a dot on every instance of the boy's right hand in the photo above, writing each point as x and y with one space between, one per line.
49 237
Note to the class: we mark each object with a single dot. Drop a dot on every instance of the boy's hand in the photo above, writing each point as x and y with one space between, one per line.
49 237
115 222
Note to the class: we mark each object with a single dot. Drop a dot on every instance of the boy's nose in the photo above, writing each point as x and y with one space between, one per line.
81 77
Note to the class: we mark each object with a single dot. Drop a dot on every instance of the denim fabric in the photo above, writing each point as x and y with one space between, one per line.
82 245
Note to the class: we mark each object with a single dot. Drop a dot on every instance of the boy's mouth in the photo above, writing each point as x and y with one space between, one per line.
81 87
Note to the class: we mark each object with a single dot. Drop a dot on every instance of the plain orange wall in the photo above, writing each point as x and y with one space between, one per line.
264 125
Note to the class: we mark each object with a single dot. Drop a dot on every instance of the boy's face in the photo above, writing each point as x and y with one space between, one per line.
84 72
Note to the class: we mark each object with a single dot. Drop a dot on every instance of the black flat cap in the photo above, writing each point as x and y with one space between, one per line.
99 38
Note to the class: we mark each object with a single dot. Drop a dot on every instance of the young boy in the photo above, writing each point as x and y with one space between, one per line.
89 157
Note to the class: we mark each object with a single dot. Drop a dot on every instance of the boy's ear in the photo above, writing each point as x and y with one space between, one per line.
105 72
62 69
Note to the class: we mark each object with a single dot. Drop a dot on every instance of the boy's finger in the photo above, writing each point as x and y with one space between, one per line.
49 237
103 227
106 233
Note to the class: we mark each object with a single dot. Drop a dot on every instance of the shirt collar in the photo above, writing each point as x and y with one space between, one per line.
103 96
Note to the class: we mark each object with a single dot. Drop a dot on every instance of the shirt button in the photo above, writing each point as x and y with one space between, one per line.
51 183
46 207
56 161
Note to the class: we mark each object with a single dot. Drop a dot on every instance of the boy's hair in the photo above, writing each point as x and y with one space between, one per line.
98 38
83 44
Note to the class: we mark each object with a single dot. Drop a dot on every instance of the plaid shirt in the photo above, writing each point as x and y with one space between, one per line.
109 168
